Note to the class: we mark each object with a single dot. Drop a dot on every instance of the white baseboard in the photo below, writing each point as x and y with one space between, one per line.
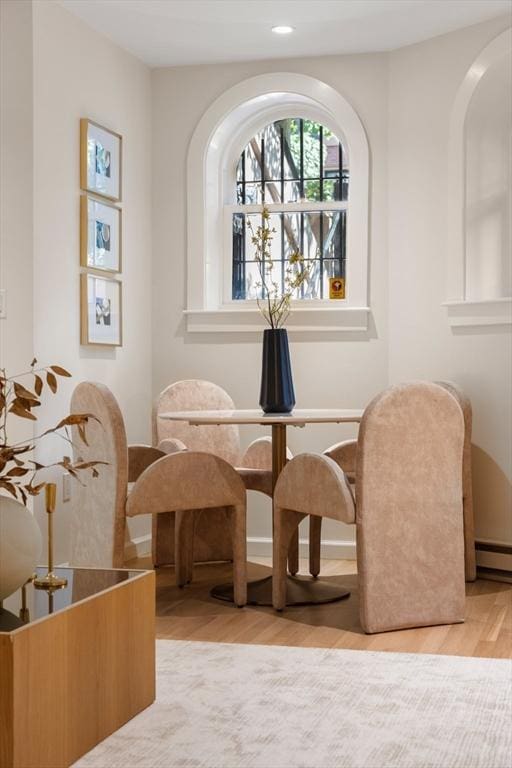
334 549
500 560
140 546
259 546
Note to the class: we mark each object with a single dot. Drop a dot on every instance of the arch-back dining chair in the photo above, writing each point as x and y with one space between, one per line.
211 541
407 508
345 455
162 484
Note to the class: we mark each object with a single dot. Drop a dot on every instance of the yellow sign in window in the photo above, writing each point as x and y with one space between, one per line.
336 287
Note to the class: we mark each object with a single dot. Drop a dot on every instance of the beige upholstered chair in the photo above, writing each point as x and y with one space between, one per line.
344 454
161 483
211 540
407 508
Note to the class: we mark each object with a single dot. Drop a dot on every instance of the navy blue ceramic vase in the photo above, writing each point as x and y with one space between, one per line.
276 394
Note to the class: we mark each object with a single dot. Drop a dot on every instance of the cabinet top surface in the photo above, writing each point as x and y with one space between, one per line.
82 583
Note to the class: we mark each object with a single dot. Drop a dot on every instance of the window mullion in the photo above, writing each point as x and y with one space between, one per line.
281 139
262 170
302 247
282 252
321 145
340 170
301 172
330 205
243 178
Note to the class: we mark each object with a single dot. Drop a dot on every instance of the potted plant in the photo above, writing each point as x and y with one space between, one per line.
276 394
20 538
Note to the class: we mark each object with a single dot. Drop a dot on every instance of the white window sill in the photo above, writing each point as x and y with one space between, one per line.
480 312
328 319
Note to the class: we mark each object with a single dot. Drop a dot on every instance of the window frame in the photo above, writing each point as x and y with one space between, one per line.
220 137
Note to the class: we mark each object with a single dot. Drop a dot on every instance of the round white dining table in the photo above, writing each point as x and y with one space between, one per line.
300 590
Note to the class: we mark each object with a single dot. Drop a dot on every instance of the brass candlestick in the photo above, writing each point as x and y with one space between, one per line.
50 581
24 611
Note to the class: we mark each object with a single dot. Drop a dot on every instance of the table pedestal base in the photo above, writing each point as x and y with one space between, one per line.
300 590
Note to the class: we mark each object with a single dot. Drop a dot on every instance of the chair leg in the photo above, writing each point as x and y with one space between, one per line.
315 538
162 539
286 523
469 540
239 537
293 553
184 546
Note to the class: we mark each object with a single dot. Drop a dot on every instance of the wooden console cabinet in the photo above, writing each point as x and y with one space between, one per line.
70 678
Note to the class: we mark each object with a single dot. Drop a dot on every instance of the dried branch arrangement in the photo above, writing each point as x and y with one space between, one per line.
18 472
275 304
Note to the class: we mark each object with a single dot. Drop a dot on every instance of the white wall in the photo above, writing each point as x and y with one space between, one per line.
16 206
424 79
78 73
343 372
16 198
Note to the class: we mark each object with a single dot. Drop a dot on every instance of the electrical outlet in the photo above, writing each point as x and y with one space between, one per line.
66 487
3 304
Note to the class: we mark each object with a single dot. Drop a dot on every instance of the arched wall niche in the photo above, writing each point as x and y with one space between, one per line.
215 147
479 224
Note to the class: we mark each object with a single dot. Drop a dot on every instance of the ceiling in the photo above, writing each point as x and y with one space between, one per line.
166 33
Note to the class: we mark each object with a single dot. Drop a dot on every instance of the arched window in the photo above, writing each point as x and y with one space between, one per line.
298 169
283 140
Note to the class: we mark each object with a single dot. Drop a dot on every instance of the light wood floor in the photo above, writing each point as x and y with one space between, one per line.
191 614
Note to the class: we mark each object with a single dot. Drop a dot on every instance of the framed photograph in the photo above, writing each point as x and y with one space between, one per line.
100 235
101 307
100 160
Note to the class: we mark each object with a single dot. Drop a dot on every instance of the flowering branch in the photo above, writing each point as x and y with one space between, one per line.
275 304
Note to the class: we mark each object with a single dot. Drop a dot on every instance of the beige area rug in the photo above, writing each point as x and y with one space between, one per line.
253 706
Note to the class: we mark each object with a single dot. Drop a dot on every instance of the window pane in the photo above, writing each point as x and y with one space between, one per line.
312 189
331 153
291 192
344 184
252 281
275 222
253 159
331 234
273 192
331 189
311 286
272 144
291 148
255 219
252 285
311 149
253 195
292 234
311 238
240 168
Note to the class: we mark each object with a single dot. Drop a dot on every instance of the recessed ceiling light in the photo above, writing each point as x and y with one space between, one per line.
282 30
